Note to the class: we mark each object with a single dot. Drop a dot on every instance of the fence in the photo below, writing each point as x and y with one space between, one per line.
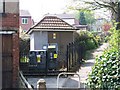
75 54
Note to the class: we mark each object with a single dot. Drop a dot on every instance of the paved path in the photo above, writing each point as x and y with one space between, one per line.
85 69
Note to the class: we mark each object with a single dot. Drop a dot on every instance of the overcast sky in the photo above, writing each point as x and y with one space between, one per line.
38 8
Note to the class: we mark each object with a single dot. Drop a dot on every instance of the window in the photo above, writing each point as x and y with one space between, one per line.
24 20
24 30
54 35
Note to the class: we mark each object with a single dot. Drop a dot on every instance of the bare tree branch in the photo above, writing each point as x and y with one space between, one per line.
107 5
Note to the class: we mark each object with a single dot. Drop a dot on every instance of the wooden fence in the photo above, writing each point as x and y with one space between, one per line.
75 54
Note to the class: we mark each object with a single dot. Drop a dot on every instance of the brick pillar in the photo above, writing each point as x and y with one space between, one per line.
15 59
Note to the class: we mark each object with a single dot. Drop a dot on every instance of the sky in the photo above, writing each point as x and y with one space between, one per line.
38 8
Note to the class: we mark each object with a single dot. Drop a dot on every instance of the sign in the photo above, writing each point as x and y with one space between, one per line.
38 58
55 55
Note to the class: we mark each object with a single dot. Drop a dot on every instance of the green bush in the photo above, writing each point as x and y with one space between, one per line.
24 59
24 46
106 71
90 41
90 44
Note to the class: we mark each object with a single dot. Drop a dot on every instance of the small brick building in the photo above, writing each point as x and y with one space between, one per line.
9 48
52 30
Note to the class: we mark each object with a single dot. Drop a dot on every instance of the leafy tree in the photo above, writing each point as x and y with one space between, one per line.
112 5
89 15
82 19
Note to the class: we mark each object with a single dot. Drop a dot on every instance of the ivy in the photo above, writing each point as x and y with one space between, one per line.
105 73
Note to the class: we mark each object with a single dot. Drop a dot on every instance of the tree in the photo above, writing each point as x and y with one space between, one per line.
82 19
89 16
112 5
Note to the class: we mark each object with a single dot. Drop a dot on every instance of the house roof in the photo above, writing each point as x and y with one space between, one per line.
81 26
24 13
51 23
63 16
66 17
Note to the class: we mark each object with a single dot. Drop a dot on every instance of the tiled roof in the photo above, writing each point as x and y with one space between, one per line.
52 23
25 13
63 16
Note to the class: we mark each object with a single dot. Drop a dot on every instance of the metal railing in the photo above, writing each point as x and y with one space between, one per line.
24 82
66 74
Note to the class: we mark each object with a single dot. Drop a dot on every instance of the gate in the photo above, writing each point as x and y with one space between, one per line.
6 61
75 53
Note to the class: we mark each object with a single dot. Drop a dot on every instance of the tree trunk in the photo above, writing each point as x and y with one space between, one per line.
118 17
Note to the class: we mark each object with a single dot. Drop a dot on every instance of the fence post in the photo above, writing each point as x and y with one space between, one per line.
67 58
69 61
72 53
46 67
41 84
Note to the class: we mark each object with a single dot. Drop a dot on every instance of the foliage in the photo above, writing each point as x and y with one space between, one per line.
24 46
88 39
90 19
114 38
110 5
89 16
24 59
82 19
104 5
98 39
107 38
106 71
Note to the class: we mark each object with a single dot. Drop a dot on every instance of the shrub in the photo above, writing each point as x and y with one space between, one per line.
90 42
106 71
24 47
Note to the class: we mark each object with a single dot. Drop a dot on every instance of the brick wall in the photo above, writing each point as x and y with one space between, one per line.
10 21
15 59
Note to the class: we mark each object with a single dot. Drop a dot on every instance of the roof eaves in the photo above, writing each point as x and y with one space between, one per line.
65 28
56 28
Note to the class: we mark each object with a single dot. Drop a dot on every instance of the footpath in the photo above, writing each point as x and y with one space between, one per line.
86 68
